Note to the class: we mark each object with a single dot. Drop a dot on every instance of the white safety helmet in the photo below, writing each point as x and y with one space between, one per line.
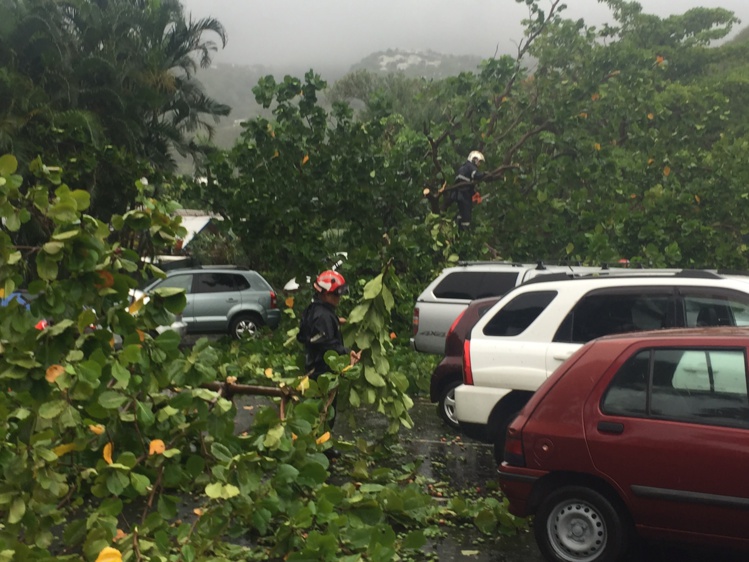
475 155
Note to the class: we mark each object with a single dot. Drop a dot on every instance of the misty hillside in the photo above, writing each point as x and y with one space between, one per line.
232 83
417 64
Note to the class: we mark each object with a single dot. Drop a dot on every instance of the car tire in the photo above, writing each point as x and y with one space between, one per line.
446 404
244 323
579 524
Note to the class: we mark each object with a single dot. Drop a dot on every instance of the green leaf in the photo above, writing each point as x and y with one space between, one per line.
66 235
373 288
144 414
82 199
17 511
8 165
53 248
373 377
111 399
168 340
415 540
50 410
140 483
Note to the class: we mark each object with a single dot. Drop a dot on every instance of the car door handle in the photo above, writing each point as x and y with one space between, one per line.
563 356
232 300
611 427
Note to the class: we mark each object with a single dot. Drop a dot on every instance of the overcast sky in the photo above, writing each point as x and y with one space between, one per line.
320 33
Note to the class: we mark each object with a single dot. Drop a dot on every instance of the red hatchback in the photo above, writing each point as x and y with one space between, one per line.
643 433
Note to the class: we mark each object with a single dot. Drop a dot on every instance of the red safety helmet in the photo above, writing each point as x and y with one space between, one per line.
330 282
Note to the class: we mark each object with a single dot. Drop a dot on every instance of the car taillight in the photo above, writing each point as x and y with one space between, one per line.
467 372
416 321
273 300
514 454
452 341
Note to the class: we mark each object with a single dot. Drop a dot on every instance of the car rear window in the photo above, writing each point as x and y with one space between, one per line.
703 386
515 317
471 285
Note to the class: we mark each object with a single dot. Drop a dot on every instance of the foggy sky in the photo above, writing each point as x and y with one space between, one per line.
322 33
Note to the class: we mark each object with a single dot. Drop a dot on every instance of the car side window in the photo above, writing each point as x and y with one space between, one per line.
716 310
215 283
704 386
515 317
241 283
627 394
604 314
471 285
177 282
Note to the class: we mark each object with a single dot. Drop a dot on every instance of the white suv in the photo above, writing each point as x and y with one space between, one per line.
534 328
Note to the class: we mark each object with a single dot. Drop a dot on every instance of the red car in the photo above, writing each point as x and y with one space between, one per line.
643 434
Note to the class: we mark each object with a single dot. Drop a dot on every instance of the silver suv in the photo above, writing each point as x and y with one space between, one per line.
454 288
223 299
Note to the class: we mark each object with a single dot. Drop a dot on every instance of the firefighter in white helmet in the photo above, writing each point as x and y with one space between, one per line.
467 174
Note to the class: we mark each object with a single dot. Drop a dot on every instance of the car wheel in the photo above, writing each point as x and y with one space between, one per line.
578 524
446 404
244 324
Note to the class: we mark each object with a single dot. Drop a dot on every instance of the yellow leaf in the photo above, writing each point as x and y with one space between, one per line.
294 437
305 159
425 192
289 302
697 198
595 97
347 368
136 305
231 380
97 429
2 293
109 554
156 447
303 384
269 373
323 438
597 146
275 154
651 116
107 452
659 59
120 534
141 335
667 171
583 115
650 161
61 450
198 511
53 371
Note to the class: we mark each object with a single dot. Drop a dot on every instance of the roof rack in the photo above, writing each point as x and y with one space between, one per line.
489 262
618 273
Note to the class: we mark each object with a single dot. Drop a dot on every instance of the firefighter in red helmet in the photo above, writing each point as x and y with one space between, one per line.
320 328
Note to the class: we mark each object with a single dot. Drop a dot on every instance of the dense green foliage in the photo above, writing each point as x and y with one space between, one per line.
107 89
